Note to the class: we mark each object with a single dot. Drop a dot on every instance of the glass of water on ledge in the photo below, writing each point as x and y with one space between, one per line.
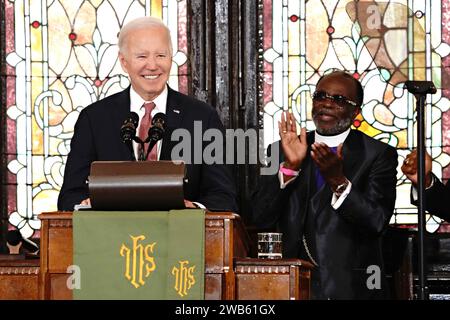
270 245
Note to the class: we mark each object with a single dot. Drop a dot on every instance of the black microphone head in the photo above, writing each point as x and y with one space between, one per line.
160 120
156 131
135 118
128 129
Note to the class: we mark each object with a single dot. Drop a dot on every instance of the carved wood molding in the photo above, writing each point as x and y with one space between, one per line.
214 223
61 223
261 269
19 270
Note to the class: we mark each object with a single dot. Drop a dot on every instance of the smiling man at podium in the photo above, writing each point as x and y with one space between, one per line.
145 53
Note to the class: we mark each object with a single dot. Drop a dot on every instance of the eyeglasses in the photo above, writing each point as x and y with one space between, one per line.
337 98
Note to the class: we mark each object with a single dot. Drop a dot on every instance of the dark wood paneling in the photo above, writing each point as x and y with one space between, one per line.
224 67
19 279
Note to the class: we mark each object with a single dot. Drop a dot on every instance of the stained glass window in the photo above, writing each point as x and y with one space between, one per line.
383 44
61 57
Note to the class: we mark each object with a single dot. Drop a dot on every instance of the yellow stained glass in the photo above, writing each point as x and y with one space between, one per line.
383 44
64 58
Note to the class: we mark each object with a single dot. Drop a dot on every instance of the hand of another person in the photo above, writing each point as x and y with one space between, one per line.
189 204
330 164
86 202
294 147
409 167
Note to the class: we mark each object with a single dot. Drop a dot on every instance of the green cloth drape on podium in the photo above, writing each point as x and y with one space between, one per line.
139 255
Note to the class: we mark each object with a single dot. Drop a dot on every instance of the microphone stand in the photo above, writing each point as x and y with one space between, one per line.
155 134
420 89
141 151
141 148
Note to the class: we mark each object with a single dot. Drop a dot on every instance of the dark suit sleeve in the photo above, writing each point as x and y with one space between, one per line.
437 199
217 186
82 153
370 204
268 200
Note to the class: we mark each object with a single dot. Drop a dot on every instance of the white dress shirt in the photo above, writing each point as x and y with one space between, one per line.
136 105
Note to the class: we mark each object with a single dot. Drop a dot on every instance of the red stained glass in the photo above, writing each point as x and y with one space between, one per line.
11 178
330 30
267 43
294 18
182 83
98 83
183 47
9 27
73 36
446 60
36 24
446 140
183 79
11 192
267 84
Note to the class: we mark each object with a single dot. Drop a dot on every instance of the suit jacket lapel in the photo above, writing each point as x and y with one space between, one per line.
174 113
353 153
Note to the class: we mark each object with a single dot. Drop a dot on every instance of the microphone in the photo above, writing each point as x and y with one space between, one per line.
156 131
158 127
128 128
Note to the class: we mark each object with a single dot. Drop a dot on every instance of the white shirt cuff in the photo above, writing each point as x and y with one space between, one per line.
415 195
337 202
199 205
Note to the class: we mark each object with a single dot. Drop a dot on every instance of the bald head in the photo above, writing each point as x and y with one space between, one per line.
142 23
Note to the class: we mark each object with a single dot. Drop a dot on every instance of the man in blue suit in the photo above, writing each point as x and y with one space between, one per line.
333 195
145 53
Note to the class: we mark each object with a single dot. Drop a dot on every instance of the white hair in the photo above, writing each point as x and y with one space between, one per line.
142 23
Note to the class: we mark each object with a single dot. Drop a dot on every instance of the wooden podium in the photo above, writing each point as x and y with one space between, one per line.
225 239
229 273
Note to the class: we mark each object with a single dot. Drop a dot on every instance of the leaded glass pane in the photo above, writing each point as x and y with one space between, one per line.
61 57
383 44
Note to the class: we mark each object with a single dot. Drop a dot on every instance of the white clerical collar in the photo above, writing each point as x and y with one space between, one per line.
136 102
332 141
